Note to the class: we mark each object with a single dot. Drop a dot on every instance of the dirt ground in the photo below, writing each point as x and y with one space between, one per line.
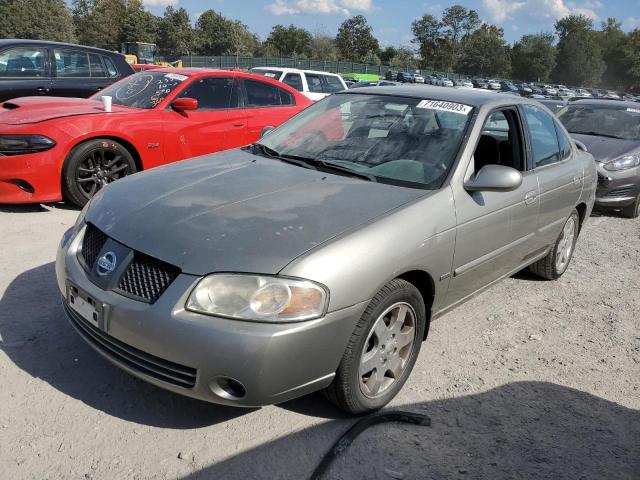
532 379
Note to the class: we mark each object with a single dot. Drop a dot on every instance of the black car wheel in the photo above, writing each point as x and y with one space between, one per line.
92 165
382 350
633 210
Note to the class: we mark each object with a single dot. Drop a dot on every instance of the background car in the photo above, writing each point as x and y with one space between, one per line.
52 148
280 251
524 88
493 84
35 67
480 83
508 87
380 83
418 78
549 90
583 92
610 130
311 83
464 83
405 77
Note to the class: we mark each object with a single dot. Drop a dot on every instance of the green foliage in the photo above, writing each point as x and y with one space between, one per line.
290 41
533 57
612 41
579 60
404 59
217 35
632 59
440 41
35 19
323 47
175 35
475 60
355 39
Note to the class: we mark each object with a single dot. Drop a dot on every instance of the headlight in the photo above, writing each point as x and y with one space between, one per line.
623 163
21 144
258 298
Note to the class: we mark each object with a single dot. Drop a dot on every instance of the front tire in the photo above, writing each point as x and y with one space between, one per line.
92 165
382 350
557 260
633 210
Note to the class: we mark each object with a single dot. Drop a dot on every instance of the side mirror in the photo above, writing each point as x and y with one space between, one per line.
580 145
266 130
184 104
494 178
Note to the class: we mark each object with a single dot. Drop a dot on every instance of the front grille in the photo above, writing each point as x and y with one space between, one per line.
137 360
92 243
620 192
147 277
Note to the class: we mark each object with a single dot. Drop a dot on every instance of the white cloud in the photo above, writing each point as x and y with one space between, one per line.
632 22
500 10
159 3
295 7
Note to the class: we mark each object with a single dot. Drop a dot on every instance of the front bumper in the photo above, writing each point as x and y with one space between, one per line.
34 177
274 362
617 189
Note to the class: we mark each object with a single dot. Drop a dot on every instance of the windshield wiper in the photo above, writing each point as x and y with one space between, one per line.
312 163
598 134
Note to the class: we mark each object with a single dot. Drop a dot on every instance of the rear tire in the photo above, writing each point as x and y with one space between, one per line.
557 260
633 210
92 165
382 350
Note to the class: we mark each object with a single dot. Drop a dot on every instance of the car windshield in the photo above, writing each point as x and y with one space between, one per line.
142 90
404 141
603 120
267 73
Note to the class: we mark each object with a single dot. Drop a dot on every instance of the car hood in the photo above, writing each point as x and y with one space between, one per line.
19 111
235 211
606 149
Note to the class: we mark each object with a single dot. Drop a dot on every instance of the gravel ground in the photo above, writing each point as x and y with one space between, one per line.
531 379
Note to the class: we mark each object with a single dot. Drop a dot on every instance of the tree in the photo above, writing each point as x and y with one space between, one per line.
430 40
579 60
632 59
138 25
404 59
485 52
387 54
175 35
99 23
216 35
36 19
533 57
290 41
612 41
323 47
355 39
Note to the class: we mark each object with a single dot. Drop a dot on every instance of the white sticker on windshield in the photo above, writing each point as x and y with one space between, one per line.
270 75
445 106
633 110
176 76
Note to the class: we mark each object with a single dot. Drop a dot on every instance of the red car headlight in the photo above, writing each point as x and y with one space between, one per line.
21 144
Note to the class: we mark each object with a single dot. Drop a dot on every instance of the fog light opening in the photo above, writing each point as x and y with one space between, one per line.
22 185
227 387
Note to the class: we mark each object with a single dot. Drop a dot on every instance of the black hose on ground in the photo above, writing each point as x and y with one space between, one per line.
350 435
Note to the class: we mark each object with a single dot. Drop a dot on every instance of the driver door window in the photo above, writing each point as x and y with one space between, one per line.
214 93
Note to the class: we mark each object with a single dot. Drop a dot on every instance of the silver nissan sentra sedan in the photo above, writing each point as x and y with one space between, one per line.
316 258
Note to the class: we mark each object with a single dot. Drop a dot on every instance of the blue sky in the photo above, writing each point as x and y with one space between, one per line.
391 19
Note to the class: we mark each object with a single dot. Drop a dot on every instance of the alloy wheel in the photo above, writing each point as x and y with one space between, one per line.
387 349
98 168
565 245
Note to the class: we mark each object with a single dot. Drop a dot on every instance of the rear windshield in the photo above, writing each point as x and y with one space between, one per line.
606 120
143 90
267 73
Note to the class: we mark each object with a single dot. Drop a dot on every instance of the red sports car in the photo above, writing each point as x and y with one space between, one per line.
54 148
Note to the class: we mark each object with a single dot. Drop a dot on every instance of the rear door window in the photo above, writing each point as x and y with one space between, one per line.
314 83
97 67
24 62
111 68
71 63
294 80
262 94
332 84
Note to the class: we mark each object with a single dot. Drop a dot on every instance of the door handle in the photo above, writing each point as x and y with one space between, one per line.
238 124
577 179
42 90
530 197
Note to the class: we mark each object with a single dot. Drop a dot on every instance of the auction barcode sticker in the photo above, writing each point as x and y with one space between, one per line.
445 106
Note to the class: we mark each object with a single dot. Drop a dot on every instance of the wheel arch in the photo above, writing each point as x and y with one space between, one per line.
124 142
423 281
582 213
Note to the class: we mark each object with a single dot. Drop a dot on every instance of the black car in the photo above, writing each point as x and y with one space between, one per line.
405 77
508 87
34 67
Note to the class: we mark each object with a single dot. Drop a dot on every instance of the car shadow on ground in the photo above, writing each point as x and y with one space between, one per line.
37 207
35 335
533 430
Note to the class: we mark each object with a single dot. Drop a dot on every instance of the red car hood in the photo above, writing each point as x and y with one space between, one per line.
25 110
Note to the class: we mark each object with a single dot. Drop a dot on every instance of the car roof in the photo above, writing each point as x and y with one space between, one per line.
295 70
467 96
6 42
604 101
